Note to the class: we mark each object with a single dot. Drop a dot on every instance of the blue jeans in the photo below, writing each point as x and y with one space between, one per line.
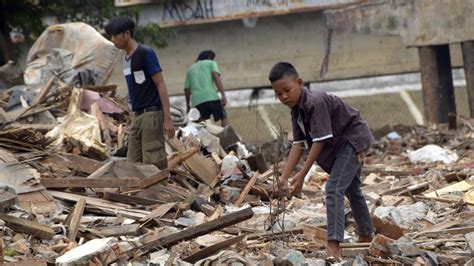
345 180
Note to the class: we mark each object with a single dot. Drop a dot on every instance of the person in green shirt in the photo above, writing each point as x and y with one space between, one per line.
199 89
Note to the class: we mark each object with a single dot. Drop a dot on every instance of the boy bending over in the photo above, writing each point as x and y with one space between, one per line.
337 136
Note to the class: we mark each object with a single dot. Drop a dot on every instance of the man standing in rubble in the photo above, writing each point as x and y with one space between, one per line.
199 88
148 96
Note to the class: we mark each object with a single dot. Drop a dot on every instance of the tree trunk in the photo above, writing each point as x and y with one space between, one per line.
7 51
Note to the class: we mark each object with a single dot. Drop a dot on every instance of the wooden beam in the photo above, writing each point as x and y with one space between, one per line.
437 83
199 230
203 167
154 179
439 226
468 58
246 190
460 230
444 200
78 163
207 251
130 199
315 232
178 158
102 170
76 216
43 92
28 227
118 230
159 211
103 205
105 88
265 235
91 182
353 252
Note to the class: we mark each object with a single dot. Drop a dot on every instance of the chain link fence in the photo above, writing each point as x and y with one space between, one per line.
259 123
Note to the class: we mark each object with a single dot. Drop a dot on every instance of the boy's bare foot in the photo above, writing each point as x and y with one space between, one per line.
365 239
334 250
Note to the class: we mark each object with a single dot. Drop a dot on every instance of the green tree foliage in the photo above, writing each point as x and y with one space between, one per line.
27 17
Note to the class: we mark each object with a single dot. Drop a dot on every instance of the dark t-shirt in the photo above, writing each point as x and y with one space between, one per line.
138 70
324 117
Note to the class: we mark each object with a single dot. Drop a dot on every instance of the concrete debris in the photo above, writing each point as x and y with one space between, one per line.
82 254
402 215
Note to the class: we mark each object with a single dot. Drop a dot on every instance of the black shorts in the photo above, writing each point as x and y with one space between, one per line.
212 107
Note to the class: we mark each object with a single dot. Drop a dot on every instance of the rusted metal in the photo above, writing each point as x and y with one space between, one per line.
468 57
437 82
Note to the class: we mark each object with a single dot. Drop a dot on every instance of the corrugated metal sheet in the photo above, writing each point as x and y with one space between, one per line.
174 13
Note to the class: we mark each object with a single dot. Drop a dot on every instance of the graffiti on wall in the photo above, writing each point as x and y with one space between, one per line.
180 10
266 3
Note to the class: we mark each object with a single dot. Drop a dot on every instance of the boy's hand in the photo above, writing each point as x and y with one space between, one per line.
282 187
297 184
168 128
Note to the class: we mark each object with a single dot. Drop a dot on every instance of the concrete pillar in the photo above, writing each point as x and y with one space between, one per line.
437 83
468 58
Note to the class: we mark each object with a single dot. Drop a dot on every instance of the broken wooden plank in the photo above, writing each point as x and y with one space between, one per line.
36 127
470 240
458 231
43 92
455 176
102 170
29 227
246 190
204 168
92 182
159 211
208 251
354 245
439 226
373 197
75 220
178 158
395 190
199 230
353 252
118 230
443 200
266 236
101 89
154 179
77 162
108 207
415 189
103 123
130 199
315 232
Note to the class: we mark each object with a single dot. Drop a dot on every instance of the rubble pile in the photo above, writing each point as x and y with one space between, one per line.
68 197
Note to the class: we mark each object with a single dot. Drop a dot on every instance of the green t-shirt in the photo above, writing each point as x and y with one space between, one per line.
200 83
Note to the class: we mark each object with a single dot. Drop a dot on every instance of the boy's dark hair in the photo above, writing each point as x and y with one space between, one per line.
120 25
206 55
281 69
